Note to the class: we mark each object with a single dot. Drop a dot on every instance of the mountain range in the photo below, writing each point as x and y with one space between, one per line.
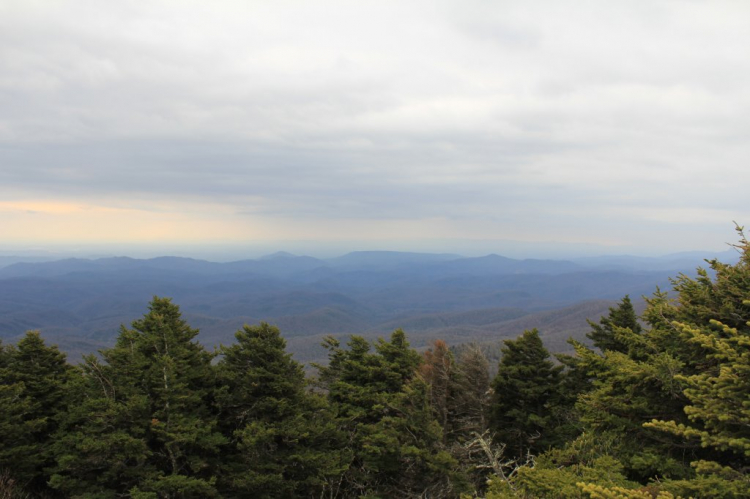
81 303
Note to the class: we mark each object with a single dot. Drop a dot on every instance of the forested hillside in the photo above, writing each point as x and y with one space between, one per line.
79 304
651 407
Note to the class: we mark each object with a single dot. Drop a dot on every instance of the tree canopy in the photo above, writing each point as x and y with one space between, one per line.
656 406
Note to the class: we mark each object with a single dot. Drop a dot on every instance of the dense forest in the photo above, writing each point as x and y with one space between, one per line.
651 407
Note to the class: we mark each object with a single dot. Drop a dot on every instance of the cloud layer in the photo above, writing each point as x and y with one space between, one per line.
618 123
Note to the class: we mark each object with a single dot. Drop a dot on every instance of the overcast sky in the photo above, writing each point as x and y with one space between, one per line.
441 126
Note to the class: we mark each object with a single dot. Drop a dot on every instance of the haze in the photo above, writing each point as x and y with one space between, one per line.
537 127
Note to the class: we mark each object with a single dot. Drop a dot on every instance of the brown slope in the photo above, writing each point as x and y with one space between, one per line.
555 327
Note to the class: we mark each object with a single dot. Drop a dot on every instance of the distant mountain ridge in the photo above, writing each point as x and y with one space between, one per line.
674 261
378 260
81 303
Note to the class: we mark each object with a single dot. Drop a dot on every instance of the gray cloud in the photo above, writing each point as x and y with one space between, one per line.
611 119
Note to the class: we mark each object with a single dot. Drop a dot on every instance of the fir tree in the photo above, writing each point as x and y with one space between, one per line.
526 391
467 414
469 389
675 396
714 316
281 434
145 424
607 335
437 370
631 380
34 382
388 423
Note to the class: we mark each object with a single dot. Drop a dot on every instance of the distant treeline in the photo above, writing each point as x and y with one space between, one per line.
655 408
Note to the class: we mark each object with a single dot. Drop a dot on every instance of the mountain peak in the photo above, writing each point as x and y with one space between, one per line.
278 255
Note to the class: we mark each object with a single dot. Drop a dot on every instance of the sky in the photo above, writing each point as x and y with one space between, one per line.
516 127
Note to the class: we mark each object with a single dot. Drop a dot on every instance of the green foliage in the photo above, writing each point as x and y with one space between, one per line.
144 421
469 396
670 398
468 414
557 472
596 491
280 434
719 482
714 318
387 421
438 371
655 411
459 397
258 379
546 481
33 383
633 379
610 334
526 397
359 381
619 331
403 449
626 394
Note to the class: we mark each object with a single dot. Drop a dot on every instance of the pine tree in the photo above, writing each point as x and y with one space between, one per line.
403 451
526 391
647 380
469 396
714 317
281 434
627 393
437 370
34 382
618 331
631 379
653 391
467 418
607 335
145 424
388 423
4 356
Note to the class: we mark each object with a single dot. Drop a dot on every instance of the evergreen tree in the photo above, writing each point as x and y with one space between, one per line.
467 414
526 392
4 356
34 381
437 370
144 425
675 394
714 316
607 335
384 412
403 451
553 476
281 434
630 381
646 381
469 390
626 394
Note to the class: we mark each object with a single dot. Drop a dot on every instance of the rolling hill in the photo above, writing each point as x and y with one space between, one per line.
80 303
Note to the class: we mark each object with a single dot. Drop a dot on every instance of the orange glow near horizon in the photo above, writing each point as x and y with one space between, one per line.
160 221
61 221
34 207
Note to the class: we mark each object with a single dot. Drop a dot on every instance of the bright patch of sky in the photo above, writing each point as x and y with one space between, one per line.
467 126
